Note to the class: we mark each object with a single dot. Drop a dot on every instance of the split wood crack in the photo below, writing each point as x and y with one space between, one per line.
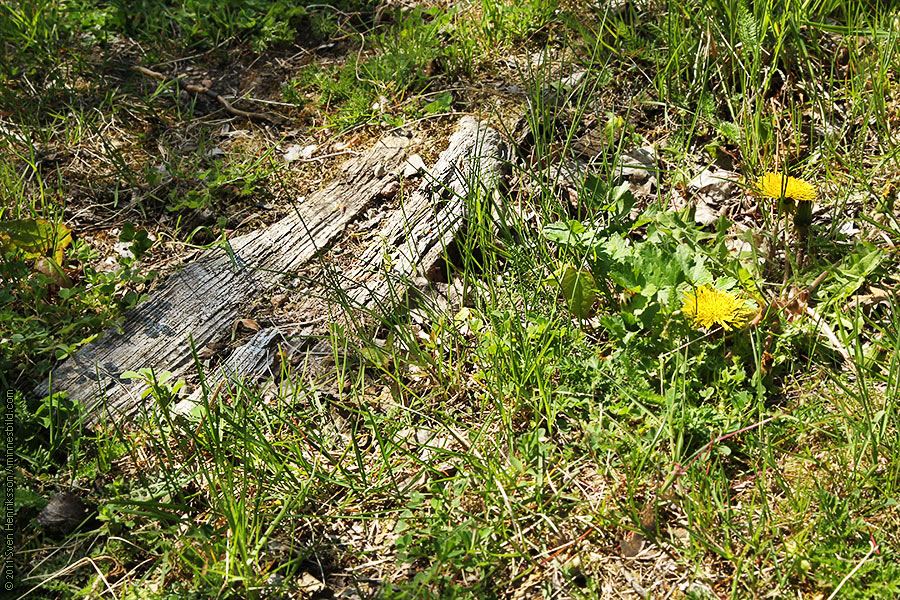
197 305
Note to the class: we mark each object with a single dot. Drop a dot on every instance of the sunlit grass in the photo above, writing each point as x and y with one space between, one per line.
619 398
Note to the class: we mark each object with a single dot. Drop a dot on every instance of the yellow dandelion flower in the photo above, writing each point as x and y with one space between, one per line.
707 306
775 185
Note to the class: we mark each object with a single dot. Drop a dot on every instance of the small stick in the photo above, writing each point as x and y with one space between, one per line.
874 548
205 91
826 330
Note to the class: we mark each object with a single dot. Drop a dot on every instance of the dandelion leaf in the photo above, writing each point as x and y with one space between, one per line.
852 274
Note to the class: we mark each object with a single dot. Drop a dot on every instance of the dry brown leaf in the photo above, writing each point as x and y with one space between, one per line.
245 325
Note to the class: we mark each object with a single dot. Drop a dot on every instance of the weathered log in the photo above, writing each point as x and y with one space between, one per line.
200 303
407 245
411 242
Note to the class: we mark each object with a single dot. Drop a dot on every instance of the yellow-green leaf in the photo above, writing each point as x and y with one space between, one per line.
35 237
579 291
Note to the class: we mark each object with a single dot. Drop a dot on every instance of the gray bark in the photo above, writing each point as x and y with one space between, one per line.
200 303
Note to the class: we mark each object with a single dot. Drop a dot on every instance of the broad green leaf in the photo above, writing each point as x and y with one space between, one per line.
564 233
441 104
378 357
579 291
35 237
622 200
618 247
851 274
698 274
139 237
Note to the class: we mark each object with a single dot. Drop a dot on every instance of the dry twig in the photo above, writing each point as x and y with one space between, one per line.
205 91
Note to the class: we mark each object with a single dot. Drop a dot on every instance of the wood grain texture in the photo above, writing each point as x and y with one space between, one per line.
200 302
412 241
407 245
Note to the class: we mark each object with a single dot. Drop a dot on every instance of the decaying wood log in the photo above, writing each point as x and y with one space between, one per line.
408 244
200 303
417 235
